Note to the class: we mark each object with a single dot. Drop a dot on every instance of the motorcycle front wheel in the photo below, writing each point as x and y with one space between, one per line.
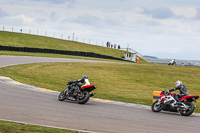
62 96
189 111
156 107
85 96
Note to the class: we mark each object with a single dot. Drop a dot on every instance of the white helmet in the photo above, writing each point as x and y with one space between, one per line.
178 83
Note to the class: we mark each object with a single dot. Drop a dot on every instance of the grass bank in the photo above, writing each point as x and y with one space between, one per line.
123 82
8 127
34 41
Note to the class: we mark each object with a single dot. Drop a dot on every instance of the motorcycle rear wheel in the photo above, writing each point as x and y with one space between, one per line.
84 98
156 107
189 111
62 96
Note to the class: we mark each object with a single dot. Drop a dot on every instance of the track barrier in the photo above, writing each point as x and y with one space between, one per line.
54 51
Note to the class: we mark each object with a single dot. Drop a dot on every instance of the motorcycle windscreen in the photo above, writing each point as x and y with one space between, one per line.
87 82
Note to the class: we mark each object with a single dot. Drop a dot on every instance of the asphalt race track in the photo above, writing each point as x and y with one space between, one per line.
25 105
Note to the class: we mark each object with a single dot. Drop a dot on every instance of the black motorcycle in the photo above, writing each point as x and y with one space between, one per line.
78 93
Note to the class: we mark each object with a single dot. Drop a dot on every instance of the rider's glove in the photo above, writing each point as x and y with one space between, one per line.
69 83
167 91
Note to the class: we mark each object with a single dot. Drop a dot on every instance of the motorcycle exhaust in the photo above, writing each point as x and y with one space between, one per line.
71 98
91 95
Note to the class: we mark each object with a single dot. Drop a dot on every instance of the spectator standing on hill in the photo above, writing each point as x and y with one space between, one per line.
118 46
107 43
115 45
111 45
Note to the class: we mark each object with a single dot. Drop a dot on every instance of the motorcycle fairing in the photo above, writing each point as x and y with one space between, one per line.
88 87
189 96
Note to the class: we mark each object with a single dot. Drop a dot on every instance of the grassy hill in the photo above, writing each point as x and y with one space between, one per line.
34 41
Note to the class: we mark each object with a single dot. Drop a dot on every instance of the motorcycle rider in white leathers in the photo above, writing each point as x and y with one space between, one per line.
183 91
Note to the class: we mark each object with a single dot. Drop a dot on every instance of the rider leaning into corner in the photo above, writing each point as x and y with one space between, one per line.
172 62
81 82
183 91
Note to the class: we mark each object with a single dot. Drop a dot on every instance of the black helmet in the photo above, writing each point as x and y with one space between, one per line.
85 77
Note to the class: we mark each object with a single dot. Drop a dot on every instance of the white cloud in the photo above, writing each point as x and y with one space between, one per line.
24 18
197 16
187 12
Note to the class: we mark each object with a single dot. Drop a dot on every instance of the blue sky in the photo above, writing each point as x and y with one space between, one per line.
162 28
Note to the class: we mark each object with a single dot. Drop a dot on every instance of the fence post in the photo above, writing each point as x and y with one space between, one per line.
73 37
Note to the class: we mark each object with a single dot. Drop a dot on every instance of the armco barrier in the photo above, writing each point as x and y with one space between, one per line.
54 51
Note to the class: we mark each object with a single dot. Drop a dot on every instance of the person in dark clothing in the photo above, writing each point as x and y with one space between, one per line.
118 46
182 88
80 83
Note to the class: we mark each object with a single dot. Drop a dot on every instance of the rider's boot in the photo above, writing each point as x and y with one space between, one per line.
67 91
178 102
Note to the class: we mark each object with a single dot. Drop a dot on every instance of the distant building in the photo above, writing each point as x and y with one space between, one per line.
130 57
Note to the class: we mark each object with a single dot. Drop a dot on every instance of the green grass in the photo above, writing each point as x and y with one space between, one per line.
34 41
123 82
8 127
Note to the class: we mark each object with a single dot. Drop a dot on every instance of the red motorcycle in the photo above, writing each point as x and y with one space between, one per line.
79 94
168 103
